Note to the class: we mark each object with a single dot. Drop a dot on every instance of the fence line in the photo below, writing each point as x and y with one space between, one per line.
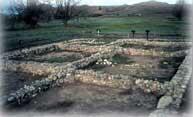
140 35
161 37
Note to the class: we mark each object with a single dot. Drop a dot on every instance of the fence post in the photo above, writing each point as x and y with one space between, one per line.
133 32
147 34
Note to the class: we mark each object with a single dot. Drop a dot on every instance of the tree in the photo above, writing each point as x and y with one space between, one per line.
48 12
28 13
31 14
67 10
15 9
180 10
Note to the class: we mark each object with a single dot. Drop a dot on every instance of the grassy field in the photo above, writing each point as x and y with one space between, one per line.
55 30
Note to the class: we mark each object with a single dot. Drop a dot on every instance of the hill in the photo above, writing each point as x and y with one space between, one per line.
139 9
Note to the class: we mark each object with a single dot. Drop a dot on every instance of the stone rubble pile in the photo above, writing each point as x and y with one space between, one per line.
85 48
175 90
155 43
119 81
87 41
104 62
59 75
151 52
18 54
28 92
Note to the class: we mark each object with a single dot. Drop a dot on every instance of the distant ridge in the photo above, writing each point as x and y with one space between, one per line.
148 8
140 9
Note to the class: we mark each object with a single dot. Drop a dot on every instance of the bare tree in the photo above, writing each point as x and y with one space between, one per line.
48 12
31 14
27 13
15 12
67 10
180 10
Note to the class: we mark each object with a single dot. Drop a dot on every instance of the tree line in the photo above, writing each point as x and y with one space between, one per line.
31 13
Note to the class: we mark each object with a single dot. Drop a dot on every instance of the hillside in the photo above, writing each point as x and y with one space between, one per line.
139 9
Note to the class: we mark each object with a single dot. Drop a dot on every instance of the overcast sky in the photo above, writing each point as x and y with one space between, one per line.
121 2
5 3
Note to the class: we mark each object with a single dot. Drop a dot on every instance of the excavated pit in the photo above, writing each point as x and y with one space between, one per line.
82 97
12 81
56 57
90 99
141 67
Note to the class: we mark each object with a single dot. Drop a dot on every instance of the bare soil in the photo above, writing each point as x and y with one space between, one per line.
144 67
57 57
12 81
89 99
85 98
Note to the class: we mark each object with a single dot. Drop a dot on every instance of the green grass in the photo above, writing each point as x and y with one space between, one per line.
140 24
55 30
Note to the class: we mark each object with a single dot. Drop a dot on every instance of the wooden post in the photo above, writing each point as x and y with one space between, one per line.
147 34
133 32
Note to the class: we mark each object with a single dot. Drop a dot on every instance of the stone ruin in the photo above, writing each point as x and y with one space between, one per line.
82 53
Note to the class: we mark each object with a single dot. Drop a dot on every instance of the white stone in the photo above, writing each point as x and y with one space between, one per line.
164 102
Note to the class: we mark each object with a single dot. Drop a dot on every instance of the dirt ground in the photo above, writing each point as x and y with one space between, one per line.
92 99
89 99
12 81
57 57
143 67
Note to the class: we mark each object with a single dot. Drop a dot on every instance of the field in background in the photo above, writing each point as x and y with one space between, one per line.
86 27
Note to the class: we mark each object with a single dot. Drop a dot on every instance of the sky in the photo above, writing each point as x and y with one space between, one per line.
121 2
5 3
